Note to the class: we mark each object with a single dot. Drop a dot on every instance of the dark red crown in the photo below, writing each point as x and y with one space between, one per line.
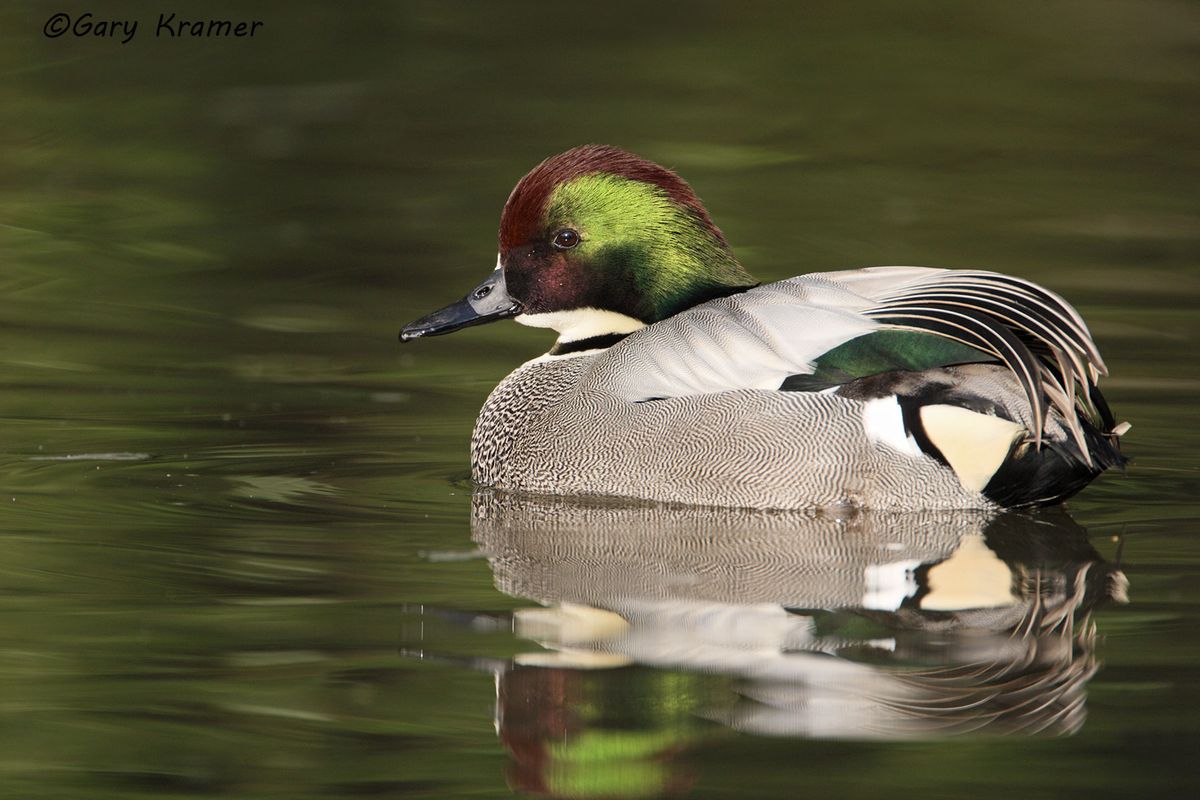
523 212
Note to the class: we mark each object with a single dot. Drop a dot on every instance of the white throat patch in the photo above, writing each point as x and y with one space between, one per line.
581 323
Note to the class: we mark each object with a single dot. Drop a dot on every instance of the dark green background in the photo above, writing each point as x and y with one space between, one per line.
206 250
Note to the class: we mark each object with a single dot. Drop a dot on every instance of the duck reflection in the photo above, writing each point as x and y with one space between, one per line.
655 622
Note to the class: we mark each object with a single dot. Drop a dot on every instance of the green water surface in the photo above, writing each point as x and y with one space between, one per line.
239 558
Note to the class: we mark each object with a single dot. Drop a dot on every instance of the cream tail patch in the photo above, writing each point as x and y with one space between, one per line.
974 444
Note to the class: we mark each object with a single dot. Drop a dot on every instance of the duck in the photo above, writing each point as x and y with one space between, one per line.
678 378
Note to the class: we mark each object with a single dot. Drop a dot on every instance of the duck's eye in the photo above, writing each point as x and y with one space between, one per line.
566 239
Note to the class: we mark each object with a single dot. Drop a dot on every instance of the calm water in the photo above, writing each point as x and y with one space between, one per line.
241 554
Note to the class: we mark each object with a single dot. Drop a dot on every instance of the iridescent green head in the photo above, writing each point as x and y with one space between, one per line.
597 242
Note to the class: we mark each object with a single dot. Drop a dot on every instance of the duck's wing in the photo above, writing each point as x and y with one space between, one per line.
751 340
1031 330
826 329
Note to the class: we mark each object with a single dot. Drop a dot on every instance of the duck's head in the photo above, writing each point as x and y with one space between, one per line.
596 243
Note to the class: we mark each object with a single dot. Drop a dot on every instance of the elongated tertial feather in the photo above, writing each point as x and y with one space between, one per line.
983 332
1020 318
1031 330
1035 297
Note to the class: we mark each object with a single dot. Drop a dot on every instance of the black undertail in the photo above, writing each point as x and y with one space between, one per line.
1037 477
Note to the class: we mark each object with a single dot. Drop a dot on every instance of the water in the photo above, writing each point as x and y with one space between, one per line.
243 559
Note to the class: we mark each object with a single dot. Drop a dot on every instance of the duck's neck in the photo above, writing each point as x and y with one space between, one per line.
583 328
601 342
706 270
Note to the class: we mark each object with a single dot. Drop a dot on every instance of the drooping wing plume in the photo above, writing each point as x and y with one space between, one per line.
1031 330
